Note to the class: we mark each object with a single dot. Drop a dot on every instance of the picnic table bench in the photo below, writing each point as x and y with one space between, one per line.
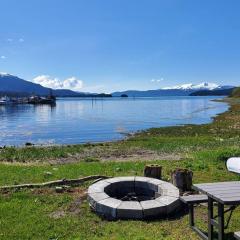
190 201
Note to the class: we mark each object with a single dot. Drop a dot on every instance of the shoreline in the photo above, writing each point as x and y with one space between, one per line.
164 143
125 135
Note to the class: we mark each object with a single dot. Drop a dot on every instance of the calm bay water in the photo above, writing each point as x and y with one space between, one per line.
77 120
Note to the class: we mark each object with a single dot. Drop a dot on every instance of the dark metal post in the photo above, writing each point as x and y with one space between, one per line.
191 215
220 221
210 217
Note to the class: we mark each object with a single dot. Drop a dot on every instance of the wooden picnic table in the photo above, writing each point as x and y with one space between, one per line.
224 193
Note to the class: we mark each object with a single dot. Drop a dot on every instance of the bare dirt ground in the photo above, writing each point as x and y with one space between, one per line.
79 195
101 155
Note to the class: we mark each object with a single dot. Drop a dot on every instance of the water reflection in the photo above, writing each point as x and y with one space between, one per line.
76 120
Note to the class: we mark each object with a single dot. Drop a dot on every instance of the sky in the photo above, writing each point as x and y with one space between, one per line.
110 45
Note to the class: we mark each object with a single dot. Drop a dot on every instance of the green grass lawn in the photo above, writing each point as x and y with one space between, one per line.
30 214
45 214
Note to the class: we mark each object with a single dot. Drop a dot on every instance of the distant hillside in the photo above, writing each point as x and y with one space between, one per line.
9 83
15 86
235 93
222 92
174 92
14 94
154 93
189 89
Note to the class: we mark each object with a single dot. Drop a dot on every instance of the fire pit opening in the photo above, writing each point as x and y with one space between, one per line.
133 198
130 191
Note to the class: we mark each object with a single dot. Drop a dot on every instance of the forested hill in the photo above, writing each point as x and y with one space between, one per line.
222 92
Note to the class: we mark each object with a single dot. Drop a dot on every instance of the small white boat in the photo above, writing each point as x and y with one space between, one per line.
5 100
233 164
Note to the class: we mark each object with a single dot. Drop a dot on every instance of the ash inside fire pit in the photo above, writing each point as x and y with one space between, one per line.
134 197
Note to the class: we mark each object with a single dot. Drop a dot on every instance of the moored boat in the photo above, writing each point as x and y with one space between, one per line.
5 100
42 100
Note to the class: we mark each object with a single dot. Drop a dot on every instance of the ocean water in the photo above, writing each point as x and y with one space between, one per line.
81 120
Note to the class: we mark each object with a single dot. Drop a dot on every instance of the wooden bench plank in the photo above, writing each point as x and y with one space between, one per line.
196 198
237 235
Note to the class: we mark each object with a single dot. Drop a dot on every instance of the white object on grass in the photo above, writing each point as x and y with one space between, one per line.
233 164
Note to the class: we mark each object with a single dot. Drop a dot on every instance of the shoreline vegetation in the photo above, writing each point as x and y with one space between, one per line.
46 214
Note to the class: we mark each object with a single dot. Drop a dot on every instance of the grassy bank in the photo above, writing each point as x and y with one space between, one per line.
45 214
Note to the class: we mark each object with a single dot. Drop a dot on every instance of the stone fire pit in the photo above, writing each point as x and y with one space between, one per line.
133 198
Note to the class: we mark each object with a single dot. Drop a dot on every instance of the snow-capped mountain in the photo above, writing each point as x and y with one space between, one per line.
181 90
3 74
201 86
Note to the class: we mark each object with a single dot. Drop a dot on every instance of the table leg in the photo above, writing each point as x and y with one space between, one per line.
210 217
191 215
220 221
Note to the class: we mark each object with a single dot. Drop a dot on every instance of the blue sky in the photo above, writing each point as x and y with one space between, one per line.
108 45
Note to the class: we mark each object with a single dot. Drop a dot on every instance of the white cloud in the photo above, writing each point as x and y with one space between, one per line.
70 83
157 80
3 57
10 40
73 83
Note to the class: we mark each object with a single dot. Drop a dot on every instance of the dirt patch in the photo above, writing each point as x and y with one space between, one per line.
57 214
74 207
96 154
79 196
144 155
74 191
104 152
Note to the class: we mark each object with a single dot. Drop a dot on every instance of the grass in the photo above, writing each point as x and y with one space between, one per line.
33 221
45 214
203 164
30 211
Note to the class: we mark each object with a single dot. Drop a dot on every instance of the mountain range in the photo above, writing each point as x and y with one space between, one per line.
201 86
181 90
14 85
